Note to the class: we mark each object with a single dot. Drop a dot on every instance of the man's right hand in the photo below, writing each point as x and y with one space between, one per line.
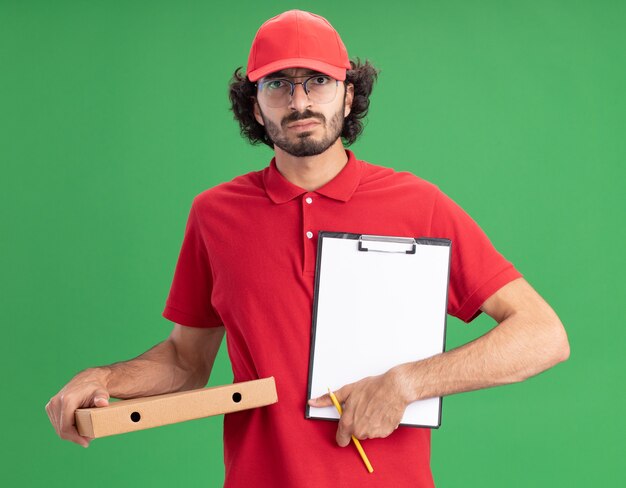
182 362
86 389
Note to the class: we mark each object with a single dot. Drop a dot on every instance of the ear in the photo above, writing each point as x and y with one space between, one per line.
347 108
257 111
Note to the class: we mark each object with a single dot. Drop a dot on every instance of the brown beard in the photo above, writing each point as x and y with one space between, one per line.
305 145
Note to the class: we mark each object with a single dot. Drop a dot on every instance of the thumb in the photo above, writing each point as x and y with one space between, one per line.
322 401
343 393
325 401
101 398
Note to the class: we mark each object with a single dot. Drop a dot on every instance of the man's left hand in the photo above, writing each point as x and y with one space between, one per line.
372 407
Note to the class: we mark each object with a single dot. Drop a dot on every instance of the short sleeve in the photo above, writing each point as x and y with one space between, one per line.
189 299
477 269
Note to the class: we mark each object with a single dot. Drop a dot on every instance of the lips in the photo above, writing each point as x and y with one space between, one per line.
303 124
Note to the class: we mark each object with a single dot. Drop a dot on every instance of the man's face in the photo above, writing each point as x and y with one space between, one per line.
303 128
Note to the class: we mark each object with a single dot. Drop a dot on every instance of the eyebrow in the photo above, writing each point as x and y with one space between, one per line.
283 74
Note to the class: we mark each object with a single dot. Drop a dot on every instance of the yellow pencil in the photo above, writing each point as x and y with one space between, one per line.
354 439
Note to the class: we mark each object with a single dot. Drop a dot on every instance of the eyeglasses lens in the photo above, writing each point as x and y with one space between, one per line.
277 92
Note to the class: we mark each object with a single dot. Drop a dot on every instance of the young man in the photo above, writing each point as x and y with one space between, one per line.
301 95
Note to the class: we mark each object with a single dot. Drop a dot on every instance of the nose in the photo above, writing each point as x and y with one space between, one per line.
299 100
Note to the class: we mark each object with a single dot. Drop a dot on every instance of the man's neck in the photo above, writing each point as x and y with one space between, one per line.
312 172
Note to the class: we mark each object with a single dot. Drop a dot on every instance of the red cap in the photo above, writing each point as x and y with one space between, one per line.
297 39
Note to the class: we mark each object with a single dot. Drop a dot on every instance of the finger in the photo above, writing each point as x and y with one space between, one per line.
343 433
345 429
55 412
86 441
100 398
50 410
76 438
61 408
325 401
343 393
322 401
67 425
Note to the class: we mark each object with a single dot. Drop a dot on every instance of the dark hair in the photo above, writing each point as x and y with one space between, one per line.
242 93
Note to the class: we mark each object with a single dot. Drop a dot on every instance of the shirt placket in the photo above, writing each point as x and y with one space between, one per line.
309 230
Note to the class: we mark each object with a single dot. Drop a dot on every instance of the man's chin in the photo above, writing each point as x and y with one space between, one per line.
304 145
304 152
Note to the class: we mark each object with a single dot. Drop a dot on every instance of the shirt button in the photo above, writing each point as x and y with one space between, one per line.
309 235
309 200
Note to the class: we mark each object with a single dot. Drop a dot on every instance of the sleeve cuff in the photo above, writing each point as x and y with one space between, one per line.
182 318
470 309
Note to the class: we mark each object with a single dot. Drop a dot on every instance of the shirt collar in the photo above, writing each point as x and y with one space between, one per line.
341 187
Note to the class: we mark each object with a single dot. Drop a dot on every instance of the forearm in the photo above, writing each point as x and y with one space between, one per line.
158 370
521 346
528 339
182 362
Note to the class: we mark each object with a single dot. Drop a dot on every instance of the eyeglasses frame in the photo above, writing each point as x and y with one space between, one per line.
293 84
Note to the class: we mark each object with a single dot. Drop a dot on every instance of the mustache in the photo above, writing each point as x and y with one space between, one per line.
307 114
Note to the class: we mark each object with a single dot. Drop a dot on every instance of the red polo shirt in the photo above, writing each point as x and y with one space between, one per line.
248 262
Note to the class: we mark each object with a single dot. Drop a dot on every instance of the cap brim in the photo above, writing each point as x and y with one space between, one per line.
336 72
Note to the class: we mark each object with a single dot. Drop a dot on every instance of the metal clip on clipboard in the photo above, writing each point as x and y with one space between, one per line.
405 241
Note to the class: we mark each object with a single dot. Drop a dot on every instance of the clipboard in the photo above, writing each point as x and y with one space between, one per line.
379 301
147 412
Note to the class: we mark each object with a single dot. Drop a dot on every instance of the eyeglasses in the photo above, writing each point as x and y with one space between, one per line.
277 92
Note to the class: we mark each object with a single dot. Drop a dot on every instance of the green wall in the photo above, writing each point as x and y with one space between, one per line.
114 114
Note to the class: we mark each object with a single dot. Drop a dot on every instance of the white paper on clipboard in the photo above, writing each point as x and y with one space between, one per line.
379 301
